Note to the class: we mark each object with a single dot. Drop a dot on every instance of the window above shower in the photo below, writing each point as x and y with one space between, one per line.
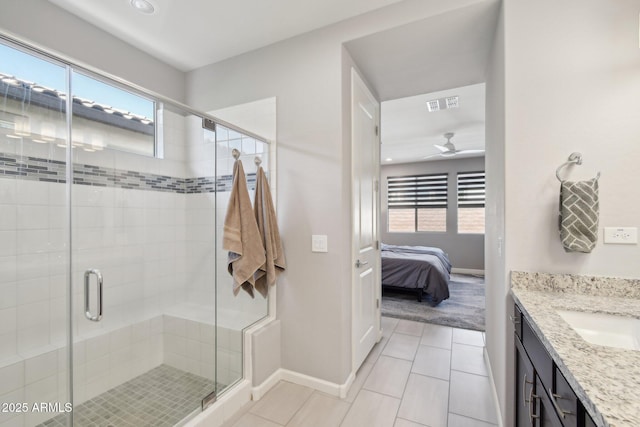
105 115
108 117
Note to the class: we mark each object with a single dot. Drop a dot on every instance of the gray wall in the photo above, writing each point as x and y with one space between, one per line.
304 74
310 77
465 250
588 51
42 23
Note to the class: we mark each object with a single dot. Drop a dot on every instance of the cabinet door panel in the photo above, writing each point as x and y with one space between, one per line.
524 387
588 422
566 401
538 354
544 409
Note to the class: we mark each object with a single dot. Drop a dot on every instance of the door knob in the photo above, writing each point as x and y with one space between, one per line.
361 263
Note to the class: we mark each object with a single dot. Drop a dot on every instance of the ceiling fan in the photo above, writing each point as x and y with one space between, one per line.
449 150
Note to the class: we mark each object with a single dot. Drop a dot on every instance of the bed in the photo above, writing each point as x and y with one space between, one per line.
419 269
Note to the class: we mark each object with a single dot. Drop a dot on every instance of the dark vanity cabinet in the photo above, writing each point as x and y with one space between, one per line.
543 396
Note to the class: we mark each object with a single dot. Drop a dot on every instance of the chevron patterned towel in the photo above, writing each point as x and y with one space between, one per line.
579 213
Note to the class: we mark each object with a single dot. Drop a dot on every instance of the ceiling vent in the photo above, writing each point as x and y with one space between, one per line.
442 103
433 105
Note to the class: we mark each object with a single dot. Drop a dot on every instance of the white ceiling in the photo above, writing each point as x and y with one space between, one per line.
439 56
429 56
192 33
441 52
409 130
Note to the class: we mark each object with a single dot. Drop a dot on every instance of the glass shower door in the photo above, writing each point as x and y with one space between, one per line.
141 340
108 262
34 232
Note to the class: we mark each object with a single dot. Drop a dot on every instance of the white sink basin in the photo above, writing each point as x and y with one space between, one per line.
605 329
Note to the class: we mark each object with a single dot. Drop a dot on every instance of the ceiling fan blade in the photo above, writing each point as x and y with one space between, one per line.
433 155
441 147
469 151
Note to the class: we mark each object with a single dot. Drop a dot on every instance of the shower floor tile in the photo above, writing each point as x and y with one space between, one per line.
160 397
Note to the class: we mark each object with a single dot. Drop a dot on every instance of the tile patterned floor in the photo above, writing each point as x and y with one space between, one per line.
418 375
161 397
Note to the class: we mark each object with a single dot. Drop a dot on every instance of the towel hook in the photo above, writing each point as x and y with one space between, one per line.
574 158
258 161
235 153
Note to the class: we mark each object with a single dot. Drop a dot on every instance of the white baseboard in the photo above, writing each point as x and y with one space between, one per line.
259 391
333 389
467 271
494 391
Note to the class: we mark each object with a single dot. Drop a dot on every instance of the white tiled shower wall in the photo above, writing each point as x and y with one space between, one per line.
154 250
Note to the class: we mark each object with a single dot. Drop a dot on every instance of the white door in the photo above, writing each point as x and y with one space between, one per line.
365 165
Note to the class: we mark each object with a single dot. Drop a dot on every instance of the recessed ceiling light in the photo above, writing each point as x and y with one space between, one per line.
143 6
388 160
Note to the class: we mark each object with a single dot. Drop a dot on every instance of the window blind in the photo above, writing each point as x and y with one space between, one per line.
471 190
418 191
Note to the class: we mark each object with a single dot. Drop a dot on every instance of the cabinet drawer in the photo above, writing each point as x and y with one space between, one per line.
566 401
538 354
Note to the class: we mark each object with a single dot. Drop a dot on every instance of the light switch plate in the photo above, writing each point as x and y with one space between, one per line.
621 235
319 243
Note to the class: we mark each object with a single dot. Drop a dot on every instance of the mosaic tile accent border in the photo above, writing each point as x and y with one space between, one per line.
210 185
160 397
45 170
108 177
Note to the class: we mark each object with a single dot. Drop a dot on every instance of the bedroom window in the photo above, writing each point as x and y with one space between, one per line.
471 195
417 203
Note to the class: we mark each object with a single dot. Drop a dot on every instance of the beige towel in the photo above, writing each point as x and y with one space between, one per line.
268 226
241 236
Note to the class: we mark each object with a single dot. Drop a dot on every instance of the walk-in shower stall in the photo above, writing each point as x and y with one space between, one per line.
116 308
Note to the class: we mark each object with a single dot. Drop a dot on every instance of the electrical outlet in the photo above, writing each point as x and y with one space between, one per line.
621 235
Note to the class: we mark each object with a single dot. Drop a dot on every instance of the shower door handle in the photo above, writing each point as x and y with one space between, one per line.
87 280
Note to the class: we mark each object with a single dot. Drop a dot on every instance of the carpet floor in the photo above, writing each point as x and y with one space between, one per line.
464 308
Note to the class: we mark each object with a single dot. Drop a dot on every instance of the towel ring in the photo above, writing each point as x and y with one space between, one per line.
574 158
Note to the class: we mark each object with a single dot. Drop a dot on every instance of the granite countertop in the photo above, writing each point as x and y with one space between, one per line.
606 379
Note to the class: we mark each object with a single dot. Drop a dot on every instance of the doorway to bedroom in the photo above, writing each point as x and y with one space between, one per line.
432 207
432 84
